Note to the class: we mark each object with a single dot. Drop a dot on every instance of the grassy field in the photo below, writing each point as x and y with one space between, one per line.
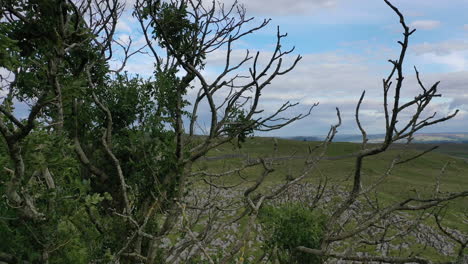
451 149
411 179
417 176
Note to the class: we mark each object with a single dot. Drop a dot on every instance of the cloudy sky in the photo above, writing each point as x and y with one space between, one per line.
345 46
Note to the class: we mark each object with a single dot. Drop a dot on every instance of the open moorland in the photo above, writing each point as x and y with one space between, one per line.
445 165
419 174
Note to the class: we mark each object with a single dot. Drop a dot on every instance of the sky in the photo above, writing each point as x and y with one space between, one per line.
345 45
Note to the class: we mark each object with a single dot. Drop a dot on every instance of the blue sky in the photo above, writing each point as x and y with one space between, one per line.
346 45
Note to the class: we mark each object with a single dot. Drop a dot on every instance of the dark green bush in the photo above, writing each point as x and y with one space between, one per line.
289 226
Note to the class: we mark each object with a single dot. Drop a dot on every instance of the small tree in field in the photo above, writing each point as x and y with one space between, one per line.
103 167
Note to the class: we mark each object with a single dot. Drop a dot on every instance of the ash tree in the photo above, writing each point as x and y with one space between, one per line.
102 166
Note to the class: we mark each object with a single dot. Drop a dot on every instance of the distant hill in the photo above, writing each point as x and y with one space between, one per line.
305 138
376 138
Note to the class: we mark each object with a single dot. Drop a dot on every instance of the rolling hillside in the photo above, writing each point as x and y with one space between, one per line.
418 138
419 174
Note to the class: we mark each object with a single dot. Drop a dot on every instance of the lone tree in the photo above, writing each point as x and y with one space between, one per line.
101 167
378 224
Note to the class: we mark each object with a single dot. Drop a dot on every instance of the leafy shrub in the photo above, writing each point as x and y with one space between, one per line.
289 226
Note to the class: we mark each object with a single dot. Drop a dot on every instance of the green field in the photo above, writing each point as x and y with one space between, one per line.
451 149
417 176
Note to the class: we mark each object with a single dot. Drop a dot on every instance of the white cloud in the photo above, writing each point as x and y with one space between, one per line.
6 77
281 7
142 65
287 7
460 101
336 80
122 26
452 54
465 27
342 85
123 39
440 48
457 61
425 24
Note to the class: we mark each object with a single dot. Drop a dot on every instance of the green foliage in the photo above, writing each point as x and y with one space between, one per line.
49 47
239 126
173 29
8 49
127 99
65 234
165 90
289 226
172 22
